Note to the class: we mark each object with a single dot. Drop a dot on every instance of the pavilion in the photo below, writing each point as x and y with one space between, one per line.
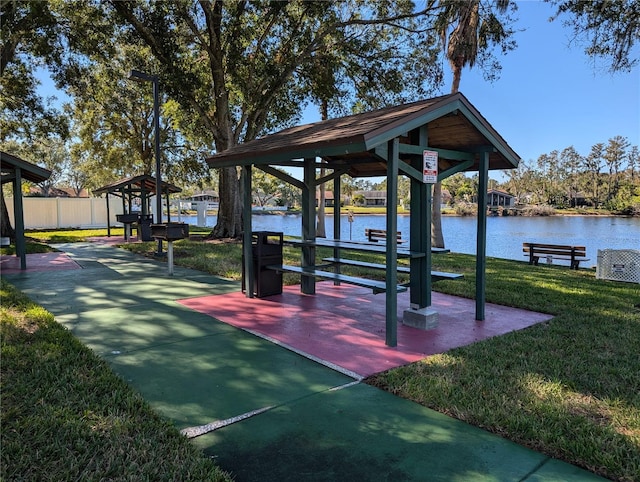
400 140
15 170
128 189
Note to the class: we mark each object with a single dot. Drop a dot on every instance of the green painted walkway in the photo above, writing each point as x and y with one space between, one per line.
309 422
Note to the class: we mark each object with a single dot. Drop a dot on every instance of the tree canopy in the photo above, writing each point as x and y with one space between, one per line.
609 30
232 71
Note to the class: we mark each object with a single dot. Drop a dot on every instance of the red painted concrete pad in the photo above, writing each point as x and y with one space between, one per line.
37 262
345 325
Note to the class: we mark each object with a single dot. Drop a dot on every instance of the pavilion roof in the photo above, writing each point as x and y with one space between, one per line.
454 127
9 163
137 184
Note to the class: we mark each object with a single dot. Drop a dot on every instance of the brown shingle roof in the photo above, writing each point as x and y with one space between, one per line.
452 123
136 184
9 163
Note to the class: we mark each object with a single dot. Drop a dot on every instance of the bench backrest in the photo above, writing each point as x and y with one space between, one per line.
375 235
557 249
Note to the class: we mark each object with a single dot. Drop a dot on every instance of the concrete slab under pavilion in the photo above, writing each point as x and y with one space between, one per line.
387 142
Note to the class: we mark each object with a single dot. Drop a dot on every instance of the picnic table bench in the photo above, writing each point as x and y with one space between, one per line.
435 275
573 254
375 235
315 272
376 285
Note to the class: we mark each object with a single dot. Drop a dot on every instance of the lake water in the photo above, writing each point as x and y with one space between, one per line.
505 234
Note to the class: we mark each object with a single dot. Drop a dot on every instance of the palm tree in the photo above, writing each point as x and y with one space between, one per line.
465 31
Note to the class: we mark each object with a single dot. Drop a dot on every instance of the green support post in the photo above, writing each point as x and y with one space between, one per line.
481 248
392 244
247 248
336 221
18 209
308 283
420 236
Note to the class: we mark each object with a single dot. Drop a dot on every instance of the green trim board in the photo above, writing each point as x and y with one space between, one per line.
444 153
414 121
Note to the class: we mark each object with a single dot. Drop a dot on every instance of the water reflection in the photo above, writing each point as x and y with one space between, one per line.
505 235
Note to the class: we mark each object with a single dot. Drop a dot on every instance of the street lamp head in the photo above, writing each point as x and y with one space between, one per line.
137 75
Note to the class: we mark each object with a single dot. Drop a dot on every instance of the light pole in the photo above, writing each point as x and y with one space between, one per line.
141 76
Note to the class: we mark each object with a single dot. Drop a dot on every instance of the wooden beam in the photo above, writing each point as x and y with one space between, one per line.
454 169
336 220
496 143
330 177
108 217
443 153
283 176
412 172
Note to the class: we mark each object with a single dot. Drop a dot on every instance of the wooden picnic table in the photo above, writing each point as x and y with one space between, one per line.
359 246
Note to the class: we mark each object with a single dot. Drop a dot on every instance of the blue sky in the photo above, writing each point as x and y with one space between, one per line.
550 95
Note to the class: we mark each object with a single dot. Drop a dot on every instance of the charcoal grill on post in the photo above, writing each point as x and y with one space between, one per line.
170 232
127 219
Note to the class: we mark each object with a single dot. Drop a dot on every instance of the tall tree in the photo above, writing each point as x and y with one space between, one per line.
114 122
470 29
614 156
592 166
236 66
28 28
634 162
570 162
265 187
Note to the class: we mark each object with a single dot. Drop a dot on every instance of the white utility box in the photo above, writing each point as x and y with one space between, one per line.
619 265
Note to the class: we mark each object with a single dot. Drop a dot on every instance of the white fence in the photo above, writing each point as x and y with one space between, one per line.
60 212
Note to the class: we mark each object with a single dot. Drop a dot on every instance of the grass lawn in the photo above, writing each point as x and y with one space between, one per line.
569 388
67 416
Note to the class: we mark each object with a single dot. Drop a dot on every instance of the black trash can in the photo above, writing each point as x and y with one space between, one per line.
266 248
144 227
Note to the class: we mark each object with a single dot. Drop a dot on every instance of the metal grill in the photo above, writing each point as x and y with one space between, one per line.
619 265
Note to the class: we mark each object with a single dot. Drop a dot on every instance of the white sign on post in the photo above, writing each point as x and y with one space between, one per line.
430 169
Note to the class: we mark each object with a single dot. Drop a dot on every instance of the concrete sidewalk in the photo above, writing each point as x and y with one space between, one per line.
277 415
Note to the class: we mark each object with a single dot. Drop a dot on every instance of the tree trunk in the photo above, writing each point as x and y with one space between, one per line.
321 230
229 223
6 230
457 75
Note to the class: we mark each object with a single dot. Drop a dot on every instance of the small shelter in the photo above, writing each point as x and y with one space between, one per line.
498 198
373 198
400 140
141 188
14 170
